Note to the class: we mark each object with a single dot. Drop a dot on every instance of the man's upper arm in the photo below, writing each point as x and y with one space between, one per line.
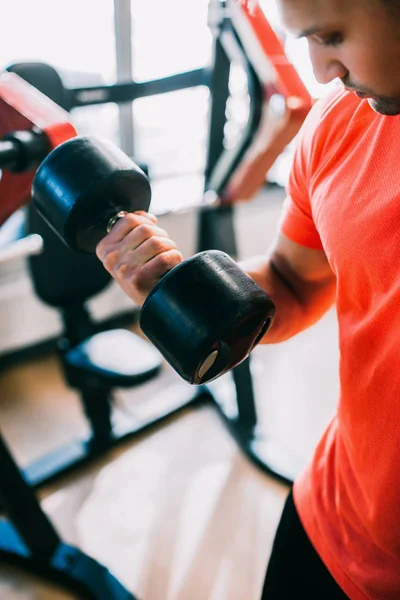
299 281
301 268
298 255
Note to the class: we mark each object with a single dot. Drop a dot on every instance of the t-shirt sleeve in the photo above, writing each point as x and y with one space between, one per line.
297 221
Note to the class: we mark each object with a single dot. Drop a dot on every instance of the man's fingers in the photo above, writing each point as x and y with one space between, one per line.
122 227
143 213
137 253
137 282
151 272
149 249
140 234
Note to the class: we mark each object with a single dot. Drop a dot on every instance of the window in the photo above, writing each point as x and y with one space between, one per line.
77 35
171 129
169 37
76 38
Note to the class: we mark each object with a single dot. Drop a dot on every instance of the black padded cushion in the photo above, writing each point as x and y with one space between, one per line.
45 78
60 276
119 357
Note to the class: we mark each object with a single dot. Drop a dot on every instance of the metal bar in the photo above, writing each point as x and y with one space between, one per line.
123 48
228 160
77 453
24 510
216 229
245 396
219 86
130 91
70 568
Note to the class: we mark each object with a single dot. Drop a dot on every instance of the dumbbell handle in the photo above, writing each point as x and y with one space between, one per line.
209 361
205 315
148 316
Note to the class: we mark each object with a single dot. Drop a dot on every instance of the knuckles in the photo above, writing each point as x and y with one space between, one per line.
121 271
145 231
132 220
158 245
108 256
168 260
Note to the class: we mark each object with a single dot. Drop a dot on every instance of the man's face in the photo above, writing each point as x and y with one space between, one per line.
357 41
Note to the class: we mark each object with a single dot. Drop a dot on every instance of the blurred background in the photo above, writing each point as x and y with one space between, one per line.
190 506
168 132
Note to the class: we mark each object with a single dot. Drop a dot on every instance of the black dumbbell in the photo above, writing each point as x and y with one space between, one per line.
205 315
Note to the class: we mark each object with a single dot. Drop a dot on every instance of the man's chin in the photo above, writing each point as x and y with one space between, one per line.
385 107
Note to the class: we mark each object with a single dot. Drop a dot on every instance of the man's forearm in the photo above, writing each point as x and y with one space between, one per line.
298 304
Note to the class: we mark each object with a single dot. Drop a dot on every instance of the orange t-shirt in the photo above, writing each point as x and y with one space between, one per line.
344 198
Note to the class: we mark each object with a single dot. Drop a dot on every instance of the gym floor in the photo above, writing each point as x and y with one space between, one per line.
179 513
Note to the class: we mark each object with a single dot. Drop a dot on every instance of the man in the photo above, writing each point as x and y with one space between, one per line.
339 241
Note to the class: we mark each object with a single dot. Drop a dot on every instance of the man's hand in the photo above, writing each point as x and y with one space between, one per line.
137 254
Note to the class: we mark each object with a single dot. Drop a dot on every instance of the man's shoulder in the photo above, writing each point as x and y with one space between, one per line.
328 120
334 108
336 105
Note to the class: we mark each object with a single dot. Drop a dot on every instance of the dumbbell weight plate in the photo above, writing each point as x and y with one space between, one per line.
205 316
82 185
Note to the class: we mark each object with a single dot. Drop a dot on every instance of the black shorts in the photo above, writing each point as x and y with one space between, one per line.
295 570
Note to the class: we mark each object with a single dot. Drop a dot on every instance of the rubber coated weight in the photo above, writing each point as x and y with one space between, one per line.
82 185
205 316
